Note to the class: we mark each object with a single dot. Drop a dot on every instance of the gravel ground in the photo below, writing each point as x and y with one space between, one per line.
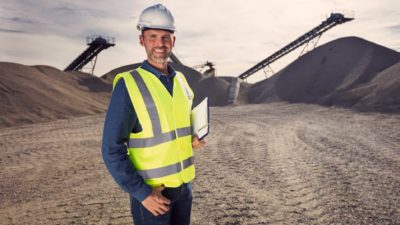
263 164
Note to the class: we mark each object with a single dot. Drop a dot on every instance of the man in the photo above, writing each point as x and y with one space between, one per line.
147 140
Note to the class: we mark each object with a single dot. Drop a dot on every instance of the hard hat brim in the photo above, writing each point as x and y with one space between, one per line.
152 28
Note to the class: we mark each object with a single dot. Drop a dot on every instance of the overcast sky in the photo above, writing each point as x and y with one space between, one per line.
233 34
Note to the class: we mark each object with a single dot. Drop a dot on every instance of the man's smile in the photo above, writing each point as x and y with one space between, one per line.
160 50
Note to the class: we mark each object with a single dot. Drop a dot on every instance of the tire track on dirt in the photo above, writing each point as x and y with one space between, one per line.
290 170
362 183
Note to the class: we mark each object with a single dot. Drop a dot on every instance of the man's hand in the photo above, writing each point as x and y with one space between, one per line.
196 143
156 203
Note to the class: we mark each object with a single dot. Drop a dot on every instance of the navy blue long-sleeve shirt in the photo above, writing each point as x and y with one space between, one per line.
121 120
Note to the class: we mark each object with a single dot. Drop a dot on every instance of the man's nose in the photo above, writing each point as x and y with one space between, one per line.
160 42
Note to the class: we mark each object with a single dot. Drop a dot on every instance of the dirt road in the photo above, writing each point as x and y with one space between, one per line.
263 164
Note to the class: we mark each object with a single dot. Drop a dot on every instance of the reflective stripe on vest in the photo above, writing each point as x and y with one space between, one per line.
167 170
158 137
188 95
149 102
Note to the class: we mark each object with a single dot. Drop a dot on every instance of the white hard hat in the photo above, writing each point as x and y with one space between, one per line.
156 17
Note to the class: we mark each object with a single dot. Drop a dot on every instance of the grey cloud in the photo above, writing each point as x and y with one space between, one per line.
395 28
12 31
68 9
20 20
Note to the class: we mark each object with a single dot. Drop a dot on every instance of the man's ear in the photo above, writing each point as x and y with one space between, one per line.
141 40
173 41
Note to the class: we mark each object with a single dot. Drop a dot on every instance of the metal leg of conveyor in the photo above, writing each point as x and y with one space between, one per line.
234 90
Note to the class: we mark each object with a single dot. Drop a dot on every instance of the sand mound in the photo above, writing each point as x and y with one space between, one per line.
342 72
349 72
39 93
216 89
30 94
213 87
383 92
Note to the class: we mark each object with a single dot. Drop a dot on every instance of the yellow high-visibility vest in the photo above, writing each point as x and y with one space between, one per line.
162 152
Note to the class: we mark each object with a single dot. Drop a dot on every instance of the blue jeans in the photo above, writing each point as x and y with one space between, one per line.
178 213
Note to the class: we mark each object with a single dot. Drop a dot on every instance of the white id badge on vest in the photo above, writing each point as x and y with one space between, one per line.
200 119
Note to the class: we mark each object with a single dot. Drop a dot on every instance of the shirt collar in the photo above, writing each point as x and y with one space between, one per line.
147 66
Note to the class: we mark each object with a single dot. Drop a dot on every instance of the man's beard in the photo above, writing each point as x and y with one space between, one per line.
158 59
